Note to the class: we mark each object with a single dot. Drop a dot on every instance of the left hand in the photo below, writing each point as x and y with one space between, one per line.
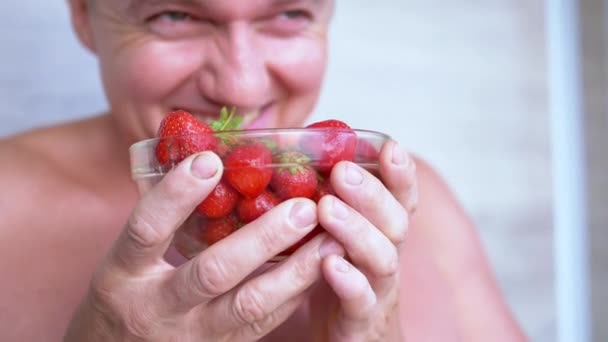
359 300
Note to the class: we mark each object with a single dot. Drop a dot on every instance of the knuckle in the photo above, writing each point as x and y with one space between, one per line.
211 276
399 227
122 307
142 229
249 308
302 271
260 328
268 238
141 323
389 266
368 300
102 290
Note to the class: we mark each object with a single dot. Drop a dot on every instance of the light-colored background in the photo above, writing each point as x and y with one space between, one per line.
460 82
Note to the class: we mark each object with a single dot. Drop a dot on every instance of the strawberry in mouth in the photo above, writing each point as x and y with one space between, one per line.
250 118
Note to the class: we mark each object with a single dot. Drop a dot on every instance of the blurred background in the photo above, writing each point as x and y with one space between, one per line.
462 83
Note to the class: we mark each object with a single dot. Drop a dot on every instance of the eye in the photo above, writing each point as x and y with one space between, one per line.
293 14
290 22
175 24
173 16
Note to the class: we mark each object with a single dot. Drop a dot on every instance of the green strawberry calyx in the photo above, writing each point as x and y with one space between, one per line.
293 157
227 121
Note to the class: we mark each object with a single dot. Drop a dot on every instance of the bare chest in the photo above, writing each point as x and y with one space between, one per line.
49 255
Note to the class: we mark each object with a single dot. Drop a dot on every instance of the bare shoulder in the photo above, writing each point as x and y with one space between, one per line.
38 187
56 223
442 224
35 165
49 171
25 171
444 259
435 194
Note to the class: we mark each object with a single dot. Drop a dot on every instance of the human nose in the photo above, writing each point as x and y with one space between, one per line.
234 72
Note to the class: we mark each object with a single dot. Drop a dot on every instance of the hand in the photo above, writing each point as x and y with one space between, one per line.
359 301
136 295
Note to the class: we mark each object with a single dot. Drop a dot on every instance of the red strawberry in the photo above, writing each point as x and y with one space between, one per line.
295 179
247 168
324 188
217 229
181 134
337 142
220 202
367 152
249 209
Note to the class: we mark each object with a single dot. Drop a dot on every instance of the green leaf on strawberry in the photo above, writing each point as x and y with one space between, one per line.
227 121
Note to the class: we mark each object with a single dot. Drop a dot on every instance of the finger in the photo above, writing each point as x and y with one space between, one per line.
365 245
162 210
366 194
260 297
357 299
259 329
226 263
398 171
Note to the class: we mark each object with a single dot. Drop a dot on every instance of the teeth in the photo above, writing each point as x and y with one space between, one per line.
249 117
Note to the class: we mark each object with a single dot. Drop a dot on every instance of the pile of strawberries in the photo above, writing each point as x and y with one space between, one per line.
258 173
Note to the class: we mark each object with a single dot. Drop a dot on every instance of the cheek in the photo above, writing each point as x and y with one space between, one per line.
301 66
147 73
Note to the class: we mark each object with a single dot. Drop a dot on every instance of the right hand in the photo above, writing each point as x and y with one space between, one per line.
136 295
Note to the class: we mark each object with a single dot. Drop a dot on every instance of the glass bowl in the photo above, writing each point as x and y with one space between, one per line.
281 158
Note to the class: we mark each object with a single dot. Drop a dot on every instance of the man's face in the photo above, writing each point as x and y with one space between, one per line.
265 57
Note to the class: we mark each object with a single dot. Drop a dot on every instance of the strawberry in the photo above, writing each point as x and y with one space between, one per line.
220 202
247 168
295 178
337 142
217 229
181 134
367 152
249 209
323 188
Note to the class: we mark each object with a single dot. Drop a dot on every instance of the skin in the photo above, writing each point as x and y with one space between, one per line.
97 273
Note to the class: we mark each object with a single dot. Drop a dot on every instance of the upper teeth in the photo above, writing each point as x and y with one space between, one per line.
249 117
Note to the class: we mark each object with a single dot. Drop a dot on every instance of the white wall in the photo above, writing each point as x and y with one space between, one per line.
463 83
460 82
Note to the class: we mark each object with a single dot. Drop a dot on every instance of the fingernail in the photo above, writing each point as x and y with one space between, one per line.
303 214
353 175
204 166
399 155
339 210
342 266
330 246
